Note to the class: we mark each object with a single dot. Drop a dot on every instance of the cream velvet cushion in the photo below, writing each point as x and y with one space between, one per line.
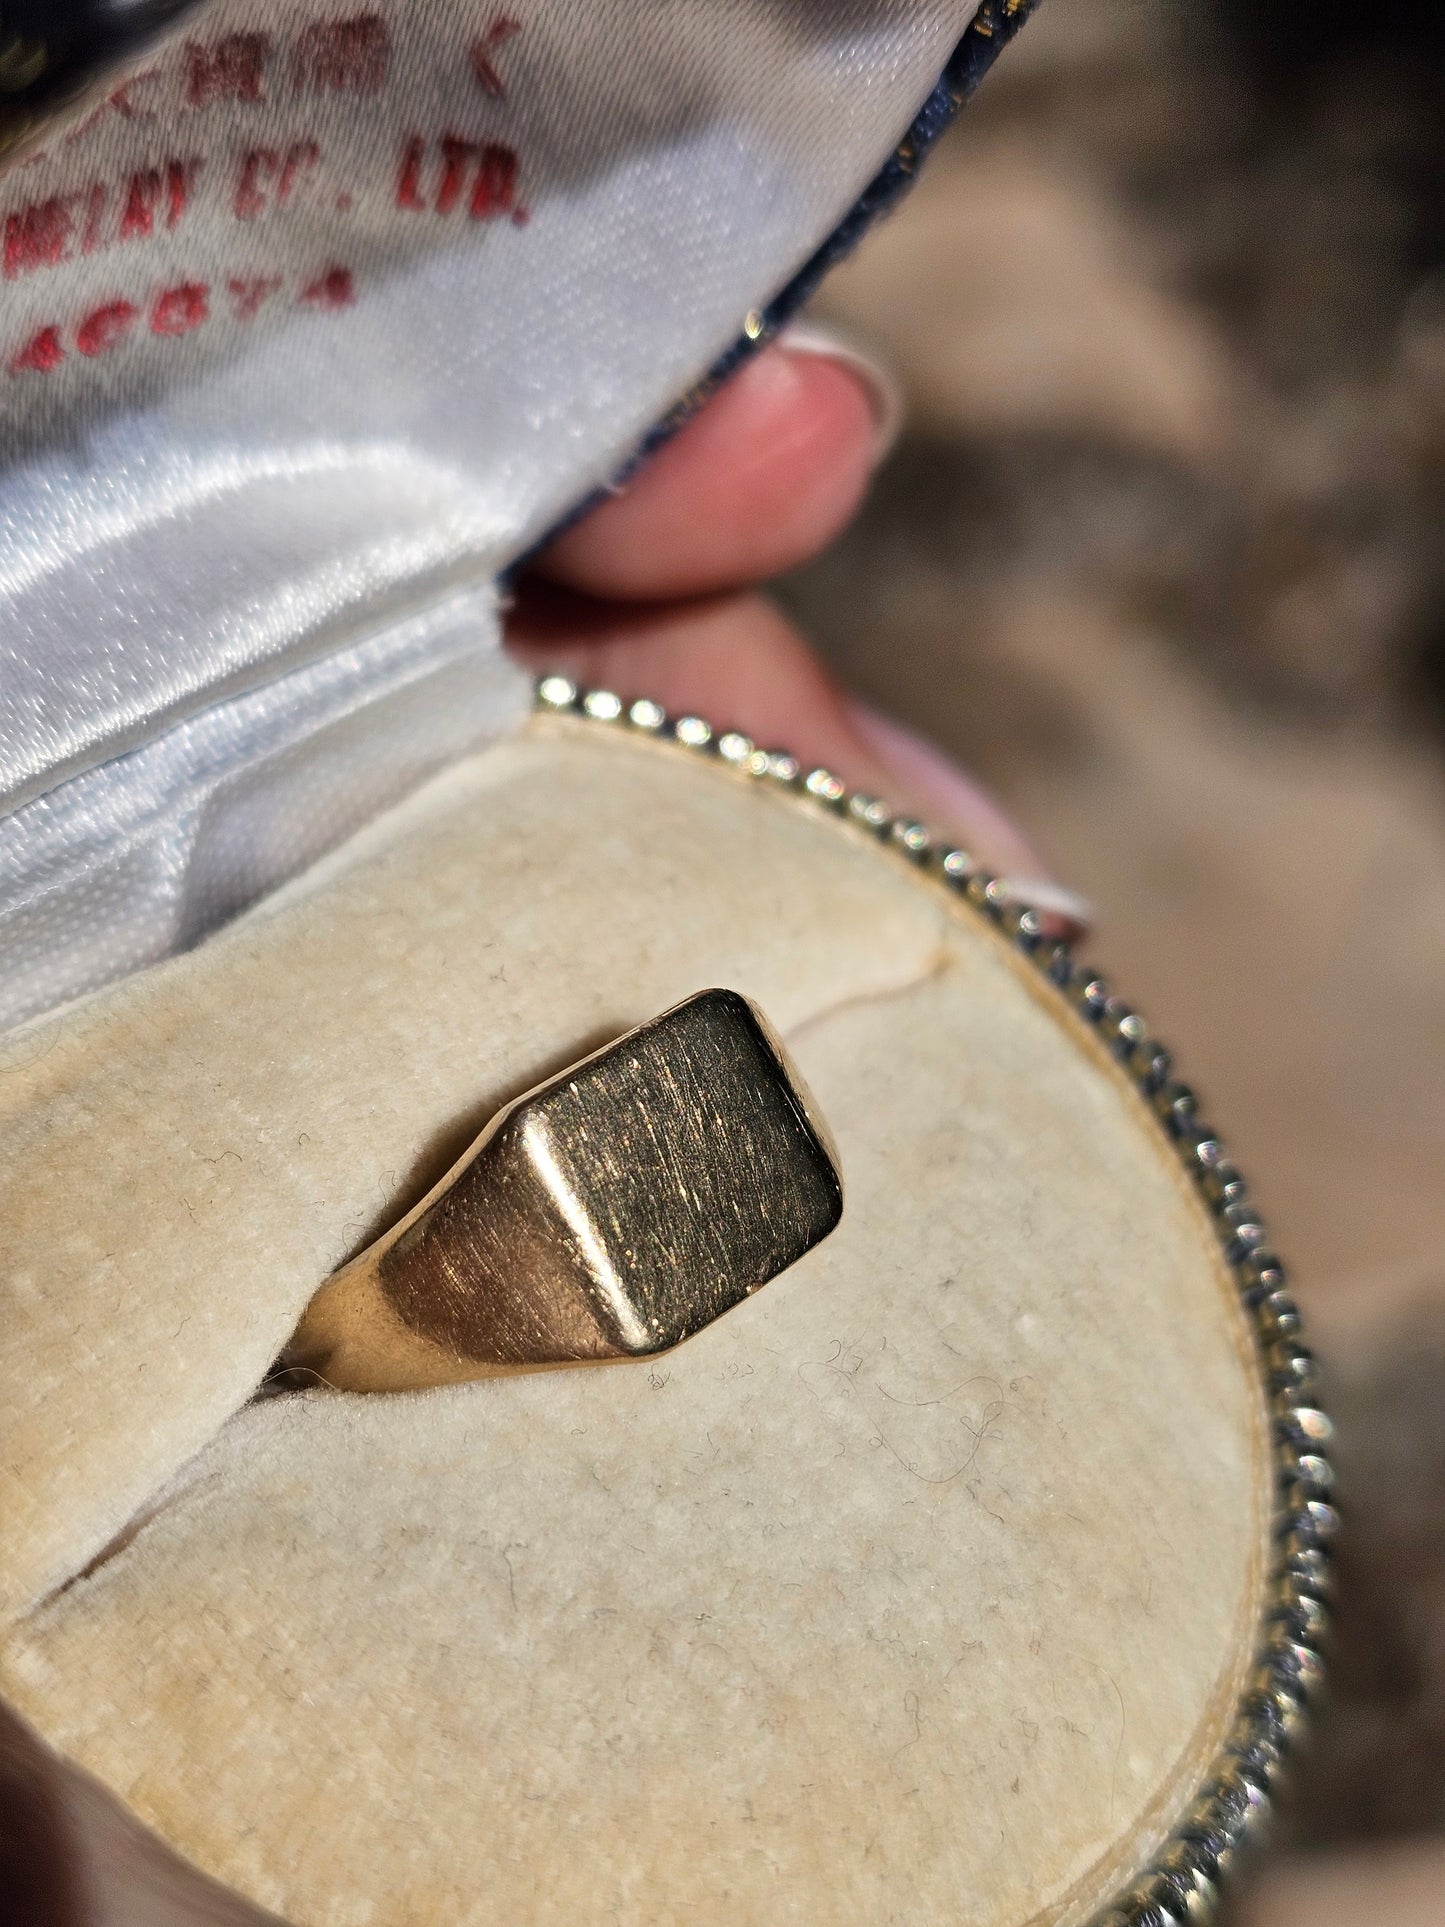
918 1588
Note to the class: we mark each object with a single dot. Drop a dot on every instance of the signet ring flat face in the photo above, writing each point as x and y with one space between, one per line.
608 1214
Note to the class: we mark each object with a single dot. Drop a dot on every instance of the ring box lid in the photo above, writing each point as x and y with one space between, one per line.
316 320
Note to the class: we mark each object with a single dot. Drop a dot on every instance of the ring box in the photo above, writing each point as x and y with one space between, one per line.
974 1568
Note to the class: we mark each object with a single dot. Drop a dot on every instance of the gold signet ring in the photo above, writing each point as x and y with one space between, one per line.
610 1213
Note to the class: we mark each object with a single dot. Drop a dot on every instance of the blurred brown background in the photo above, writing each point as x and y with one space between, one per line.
1161 559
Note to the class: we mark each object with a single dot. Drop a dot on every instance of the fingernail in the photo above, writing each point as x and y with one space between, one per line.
885 397
950 801
1052 899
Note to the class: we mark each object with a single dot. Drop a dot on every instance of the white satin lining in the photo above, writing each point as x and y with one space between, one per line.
245 594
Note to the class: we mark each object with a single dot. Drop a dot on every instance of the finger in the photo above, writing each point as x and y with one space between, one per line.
761 478
39 1872
943 794
738 662
71 1855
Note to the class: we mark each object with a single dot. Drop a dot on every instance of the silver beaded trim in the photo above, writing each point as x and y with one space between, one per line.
1232 1804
